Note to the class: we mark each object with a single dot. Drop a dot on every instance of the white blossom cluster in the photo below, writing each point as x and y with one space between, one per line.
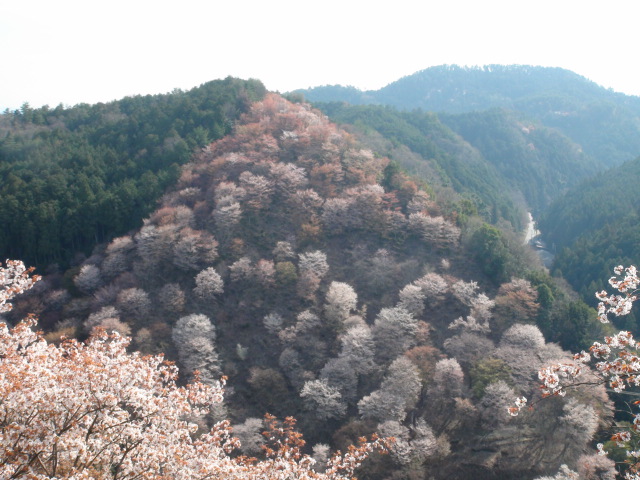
619 304
15 278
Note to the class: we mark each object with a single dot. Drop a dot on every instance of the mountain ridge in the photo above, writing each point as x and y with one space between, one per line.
587 113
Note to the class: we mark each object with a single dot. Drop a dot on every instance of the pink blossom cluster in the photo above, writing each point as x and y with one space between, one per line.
551 378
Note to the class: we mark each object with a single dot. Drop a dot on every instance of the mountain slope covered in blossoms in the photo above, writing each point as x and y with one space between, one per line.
328 285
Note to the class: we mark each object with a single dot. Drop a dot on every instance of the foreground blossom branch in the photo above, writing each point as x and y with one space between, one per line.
94 411
617 361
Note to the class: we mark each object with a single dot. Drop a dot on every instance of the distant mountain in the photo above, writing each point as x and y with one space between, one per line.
604 123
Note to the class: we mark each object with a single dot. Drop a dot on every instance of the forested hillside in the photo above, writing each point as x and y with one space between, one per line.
594 227
535 160
446 159
329 285
605 124
72 177
500 160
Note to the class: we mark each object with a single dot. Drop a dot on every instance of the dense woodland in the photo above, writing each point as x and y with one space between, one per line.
366 277
72 177
594 227
501 160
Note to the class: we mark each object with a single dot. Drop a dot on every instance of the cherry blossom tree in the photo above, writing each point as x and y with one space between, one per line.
115 264
134 303
394 332
180 216
120 245
596 467
397 394
88 279
339 373
565 473
323 400
340 301
433 286
265 272
465 292
226 193
448 377
358 348
283 251
258 190
493 406
242 270
154 244
273 322
313 263
209 284
434 230
412 444
193 249
412 299
249 433
194 337
304 204
287 178
15 278
226 217
97 319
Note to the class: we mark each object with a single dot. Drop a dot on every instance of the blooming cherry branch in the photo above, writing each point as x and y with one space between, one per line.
15 278
619 304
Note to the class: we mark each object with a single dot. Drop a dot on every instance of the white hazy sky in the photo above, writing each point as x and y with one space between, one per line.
72 51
